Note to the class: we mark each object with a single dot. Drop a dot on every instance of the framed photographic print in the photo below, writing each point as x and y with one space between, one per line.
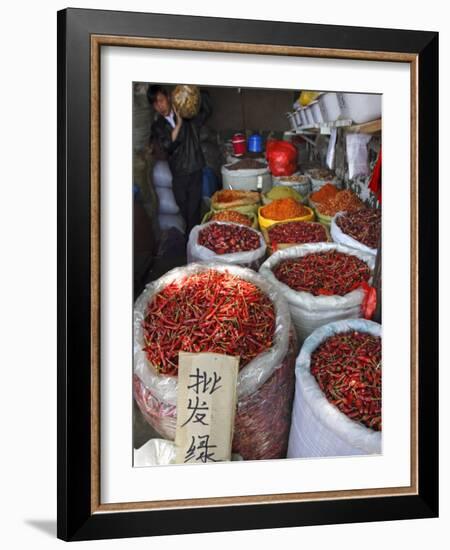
247 255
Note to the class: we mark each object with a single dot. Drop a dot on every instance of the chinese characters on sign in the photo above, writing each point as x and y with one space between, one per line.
206 405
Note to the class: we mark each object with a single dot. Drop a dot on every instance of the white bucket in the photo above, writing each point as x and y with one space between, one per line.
361 108
331 107
254 179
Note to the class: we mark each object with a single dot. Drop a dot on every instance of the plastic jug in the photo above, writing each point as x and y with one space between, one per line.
255 143
239 145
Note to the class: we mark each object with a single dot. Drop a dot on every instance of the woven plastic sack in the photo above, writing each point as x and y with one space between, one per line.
166 221
319 429
340 237
162 176
320 176
166 199
300 182
309 312
272 247
264 387
186 99
156 452
281 192
242 201
252 217
159 452
198 253
322 218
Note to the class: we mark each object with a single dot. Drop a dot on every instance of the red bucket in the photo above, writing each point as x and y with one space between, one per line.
239 144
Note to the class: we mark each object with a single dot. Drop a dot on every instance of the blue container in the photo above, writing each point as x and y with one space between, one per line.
255 143
210 183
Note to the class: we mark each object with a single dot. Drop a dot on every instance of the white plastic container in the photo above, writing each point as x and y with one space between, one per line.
254 179
291 120
361 108
316 112
298 118
310 116
302 116
331 106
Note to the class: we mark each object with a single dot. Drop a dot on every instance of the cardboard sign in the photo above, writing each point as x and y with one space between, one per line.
206 404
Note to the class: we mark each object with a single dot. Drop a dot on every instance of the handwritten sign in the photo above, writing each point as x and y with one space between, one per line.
206 403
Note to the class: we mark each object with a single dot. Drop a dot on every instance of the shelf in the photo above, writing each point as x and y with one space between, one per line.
371 127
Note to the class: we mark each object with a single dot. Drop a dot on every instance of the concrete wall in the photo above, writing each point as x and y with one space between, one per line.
250 109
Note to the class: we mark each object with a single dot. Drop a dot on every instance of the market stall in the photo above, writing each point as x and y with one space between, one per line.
281 270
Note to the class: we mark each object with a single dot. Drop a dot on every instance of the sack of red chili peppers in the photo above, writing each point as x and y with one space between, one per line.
226 242
337 405
239 313
360 229
322 282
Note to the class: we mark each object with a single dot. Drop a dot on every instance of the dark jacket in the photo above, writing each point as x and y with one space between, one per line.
184 154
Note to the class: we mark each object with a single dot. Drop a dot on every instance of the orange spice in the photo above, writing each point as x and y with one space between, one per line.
284 209
344 201
326 192
231 216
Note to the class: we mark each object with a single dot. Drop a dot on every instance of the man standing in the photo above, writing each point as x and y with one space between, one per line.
180 139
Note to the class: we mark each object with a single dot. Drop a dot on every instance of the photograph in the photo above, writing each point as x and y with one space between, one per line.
256 237
246 309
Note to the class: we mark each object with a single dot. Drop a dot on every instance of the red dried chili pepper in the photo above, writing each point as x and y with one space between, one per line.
347 367
210 311
363 225
228 238
323 273
297 233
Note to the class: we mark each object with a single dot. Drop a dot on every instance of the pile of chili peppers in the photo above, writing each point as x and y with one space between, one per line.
343 201
328 191
347 367
210 311
284 209
228 238
246 164
363 225
231 216
232 196
323 273
297 233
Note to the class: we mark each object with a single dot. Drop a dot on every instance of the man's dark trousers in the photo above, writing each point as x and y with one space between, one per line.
187 189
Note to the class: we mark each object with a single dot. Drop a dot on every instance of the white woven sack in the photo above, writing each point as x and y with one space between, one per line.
167 204
198 253
162 175
253 375
166 221
160 452
309 312
303 188
318 428
156 452
340 237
